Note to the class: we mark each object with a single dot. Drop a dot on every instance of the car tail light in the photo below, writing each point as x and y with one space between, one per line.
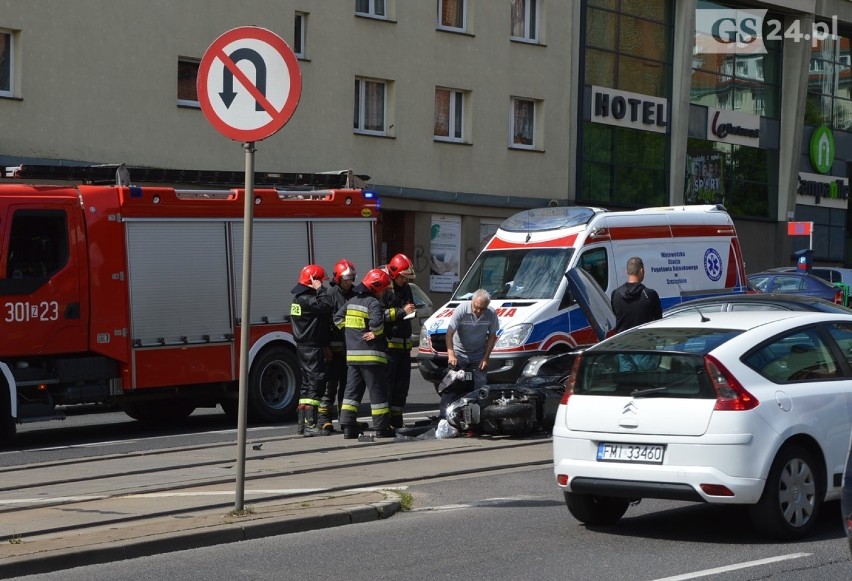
730 394
562 479
572 380
716 490
838 297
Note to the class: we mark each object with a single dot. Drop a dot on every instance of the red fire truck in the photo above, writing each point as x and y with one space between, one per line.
130 294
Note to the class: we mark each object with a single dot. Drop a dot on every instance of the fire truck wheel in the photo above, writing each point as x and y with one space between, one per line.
273 386
158 411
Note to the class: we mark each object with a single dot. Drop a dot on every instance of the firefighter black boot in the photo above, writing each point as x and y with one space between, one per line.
324 419
311 426
300 419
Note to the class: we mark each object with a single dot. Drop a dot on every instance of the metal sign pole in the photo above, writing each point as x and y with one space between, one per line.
245 327
811 239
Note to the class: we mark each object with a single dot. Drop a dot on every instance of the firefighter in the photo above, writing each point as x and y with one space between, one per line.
399 304
340 291
362 320
311 314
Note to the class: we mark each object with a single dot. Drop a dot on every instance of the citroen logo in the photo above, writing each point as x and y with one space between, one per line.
631 407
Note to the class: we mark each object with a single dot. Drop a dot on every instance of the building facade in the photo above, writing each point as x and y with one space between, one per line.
463 112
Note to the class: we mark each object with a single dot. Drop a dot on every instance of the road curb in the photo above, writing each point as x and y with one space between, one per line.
39 563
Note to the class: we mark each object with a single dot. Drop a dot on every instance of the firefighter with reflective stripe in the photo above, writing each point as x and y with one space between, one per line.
340 291
399 303
311 314
362 320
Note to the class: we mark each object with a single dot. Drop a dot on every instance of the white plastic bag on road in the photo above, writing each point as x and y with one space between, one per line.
445 430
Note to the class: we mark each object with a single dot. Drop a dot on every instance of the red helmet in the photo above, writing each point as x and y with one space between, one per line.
376 280
312 271
344 269
401 264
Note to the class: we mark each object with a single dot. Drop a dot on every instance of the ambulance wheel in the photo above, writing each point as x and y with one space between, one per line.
158 411
273 385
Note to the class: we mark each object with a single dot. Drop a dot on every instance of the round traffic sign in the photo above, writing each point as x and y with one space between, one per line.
249 83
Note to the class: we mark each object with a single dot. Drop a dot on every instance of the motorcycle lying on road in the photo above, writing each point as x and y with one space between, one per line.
510 409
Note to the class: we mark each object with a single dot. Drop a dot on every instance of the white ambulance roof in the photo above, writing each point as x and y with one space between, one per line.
540 219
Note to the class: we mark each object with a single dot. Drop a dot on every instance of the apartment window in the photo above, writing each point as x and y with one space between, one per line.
299 29
525 20
370 106
374 8
451 14
6 59
523 123
187 92
449 114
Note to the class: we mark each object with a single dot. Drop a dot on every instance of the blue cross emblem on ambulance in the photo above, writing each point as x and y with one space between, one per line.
713 264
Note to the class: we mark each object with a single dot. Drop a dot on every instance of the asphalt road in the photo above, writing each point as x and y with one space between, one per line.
508 525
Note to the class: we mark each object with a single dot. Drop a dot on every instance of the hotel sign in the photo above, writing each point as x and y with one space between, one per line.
632 110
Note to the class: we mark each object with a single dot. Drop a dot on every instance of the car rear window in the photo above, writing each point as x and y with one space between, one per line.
651 362
643 374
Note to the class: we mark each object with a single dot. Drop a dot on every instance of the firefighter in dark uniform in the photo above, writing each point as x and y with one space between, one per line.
362 320
399 303
340 291
311 314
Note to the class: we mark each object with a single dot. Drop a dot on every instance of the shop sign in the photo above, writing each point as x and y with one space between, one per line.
733 127
822 149
633 110
819 190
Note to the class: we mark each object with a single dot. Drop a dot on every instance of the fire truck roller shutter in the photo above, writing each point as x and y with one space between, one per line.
353 239
178 275
279 251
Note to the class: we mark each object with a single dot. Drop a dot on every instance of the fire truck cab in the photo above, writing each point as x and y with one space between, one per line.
131 294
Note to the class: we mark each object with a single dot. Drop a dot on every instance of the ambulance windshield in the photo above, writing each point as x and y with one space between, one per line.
516 274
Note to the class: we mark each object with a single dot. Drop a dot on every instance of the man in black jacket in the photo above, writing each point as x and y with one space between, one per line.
633 303
311 314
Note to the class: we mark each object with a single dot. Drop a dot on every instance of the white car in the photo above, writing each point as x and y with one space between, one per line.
749 408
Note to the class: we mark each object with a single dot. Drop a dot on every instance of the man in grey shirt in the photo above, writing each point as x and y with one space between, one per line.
471 334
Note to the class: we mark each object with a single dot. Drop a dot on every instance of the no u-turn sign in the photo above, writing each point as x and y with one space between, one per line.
249 83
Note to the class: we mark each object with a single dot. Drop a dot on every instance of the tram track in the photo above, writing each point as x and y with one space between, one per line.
287 468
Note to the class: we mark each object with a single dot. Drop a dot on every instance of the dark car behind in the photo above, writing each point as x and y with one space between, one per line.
756 302
796 283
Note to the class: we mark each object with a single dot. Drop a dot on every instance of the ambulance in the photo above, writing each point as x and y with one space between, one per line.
688 252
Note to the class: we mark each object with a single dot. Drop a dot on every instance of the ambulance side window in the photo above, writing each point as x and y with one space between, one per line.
38 244
595 262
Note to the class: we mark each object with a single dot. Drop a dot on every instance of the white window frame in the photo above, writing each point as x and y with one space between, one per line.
10 58
189 102
457 104
375 9
530 22
300 34
463 27
361 84
534 123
